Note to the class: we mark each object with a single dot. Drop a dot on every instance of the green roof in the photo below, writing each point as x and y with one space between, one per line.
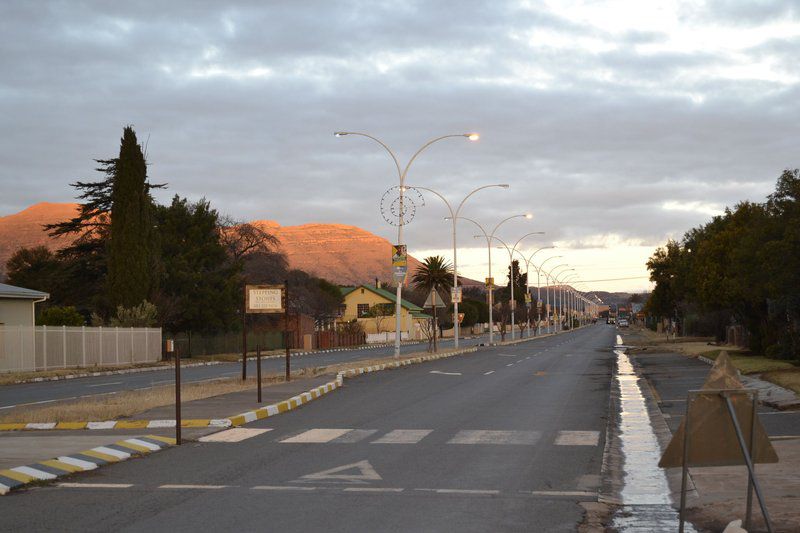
385 294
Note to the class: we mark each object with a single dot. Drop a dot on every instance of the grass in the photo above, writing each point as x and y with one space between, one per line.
788 379
748 363
15 377
127 404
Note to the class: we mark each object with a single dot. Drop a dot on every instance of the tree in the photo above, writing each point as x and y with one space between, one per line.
434 274
143 315
33 268
131 253
379 313
61 316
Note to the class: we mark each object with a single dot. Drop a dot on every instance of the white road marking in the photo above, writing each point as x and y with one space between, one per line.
355 435
365 473
105 384
467 491
489 372
233 435
403 436
570 493
201 487
485 436
445 373
510 364
577 438
506 355
316 436
95 485
274 487
371 489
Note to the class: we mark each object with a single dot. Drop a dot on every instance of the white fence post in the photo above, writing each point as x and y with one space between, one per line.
116 339
44 345
100 357
83 346
131 344
64 343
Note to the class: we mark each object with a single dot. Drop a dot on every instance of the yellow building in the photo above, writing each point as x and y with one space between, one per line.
358 301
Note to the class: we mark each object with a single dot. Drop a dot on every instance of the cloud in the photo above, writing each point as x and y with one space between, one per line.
629 118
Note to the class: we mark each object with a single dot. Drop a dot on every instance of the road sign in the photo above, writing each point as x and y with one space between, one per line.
527 298
265 298
355 473
460 318
434 299
490 282
455 295
399 262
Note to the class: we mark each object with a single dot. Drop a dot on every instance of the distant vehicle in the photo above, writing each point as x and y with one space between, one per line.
623 323
610 320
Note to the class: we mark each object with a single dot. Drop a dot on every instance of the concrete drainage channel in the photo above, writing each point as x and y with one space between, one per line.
641 488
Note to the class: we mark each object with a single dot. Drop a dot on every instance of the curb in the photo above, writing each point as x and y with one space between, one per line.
20 476
763 387
113 372
236 420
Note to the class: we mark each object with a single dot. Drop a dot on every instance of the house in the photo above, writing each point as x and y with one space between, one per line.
358 301
18 305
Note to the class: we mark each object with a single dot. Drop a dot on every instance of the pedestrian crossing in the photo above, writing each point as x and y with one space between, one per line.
566 438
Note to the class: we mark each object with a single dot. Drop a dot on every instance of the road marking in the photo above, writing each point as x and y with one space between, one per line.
316 436
355 435
510 364
233 435
577 438
445 373
365 473
371 489
484 436
489 372
95 485
201 487
566 493
403 436
540 373
105 384
464 491
506 355
274 487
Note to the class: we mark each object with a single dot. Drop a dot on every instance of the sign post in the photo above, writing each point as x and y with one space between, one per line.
171 349
266 299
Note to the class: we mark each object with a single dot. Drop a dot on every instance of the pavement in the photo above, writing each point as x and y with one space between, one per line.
720 494
510 438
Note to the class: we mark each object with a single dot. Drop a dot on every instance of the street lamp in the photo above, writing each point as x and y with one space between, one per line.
538 288
489 237
454 217
561 295
548 278
401 174
512 301
569 295
546 287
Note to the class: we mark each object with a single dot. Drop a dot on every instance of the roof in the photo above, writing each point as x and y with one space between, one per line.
385 294
10 291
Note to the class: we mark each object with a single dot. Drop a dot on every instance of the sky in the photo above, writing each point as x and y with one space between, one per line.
617 124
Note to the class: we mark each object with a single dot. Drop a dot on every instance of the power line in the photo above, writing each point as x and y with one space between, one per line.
612 279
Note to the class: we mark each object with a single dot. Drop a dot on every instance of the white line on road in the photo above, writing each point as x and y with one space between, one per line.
162 381
569 493
274 487
445 373
489 372
201 487
403 436
233 435
105 384
371 489
95 485
485 436
465 491
316 436
510 364
577 438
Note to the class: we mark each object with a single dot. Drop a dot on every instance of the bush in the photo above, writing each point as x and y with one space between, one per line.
61 316
139 316
778 351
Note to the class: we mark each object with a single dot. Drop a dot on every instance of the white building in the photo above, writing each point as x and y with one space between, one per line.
18 305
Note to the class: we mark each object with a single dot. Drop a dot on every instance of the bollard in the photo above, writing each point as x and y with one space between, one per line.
258 370
171 346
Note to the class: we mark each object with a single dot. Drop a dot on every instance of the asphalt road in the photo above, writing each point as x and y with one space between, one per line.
49 391
507 439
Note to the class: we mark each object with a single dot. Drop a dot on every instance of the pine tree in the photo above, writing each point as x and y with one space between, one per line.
131 252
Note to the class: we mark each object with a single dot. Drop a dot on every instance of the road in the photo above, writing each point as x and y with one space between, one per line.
507 439
49 391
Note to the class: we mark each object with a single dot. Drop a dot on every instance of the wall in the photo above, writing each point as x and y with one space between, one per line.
16 312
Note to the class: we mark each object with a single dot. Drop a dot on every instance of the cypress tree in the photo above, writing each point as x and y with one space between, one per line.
131 258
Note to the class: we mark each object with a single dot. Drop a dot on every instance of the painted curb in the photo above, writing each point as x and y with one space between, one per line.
15 478
236 420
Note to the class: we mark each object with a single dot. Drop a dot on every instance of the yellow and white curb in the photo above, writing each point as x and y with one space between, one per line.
296 401
263 412
14 478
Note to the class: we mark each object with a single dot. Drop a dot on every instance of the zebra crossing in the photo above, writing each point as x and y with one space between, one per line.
415 436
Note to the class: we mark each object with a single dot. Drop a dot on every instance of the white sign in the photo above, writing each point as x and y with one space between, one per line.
264 299
455 295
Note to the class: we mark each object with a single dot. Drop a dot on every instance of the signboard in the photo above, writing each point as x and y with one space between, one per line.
460 318
489 282
264 298
434 299
527 298
539 304
399 261
455 295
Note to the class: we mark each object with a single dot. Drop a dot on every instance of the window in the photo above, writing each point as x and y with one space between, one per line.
363 310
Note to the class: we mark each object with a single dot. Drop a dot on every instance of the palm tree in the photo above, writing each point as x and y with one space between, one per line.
434 274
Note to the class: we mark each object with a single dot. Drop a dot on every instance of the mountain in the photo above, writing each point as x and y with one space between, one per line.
339 253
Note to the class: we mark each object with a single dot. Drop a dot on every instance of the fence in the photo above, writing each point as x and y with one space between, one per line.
226 343
28 348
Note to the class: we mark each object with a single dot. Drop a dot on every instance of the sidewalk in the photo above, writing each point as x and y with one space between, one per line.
721 492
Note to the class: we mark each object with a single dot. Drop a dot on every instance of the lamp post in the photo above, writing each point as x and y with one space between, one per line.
538 288
401 174
512 301
489 237
454 218
561 295
568 294
546 291
550 276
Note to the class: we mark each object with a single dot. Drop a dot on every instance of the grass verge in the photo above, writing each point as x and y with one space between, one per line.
15 377
751 364
788 379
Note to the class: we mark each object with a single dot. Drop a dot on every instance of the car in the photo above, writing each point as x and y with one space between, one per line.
623 323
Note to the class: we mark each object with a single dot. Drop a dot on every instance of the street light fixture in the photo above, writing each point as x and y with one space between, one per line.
454 218
401 173
489 237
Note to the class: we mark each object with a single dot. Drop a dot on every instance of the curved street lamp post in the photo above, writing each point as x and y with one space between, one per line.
528 262
401 173
512 302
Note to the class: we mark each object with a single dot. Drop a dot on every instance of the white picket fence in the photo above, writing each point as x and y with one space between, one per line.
27 348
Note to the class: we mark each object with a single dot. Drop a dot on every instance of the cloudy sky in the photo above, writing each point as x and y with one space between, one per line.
617 124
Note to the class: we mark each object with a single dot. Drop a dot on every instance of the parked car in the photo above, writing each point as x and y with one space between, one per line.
623 323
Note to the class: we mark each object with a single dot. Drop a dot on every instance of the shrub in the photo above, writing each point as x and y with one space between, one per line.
61 316
143 315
